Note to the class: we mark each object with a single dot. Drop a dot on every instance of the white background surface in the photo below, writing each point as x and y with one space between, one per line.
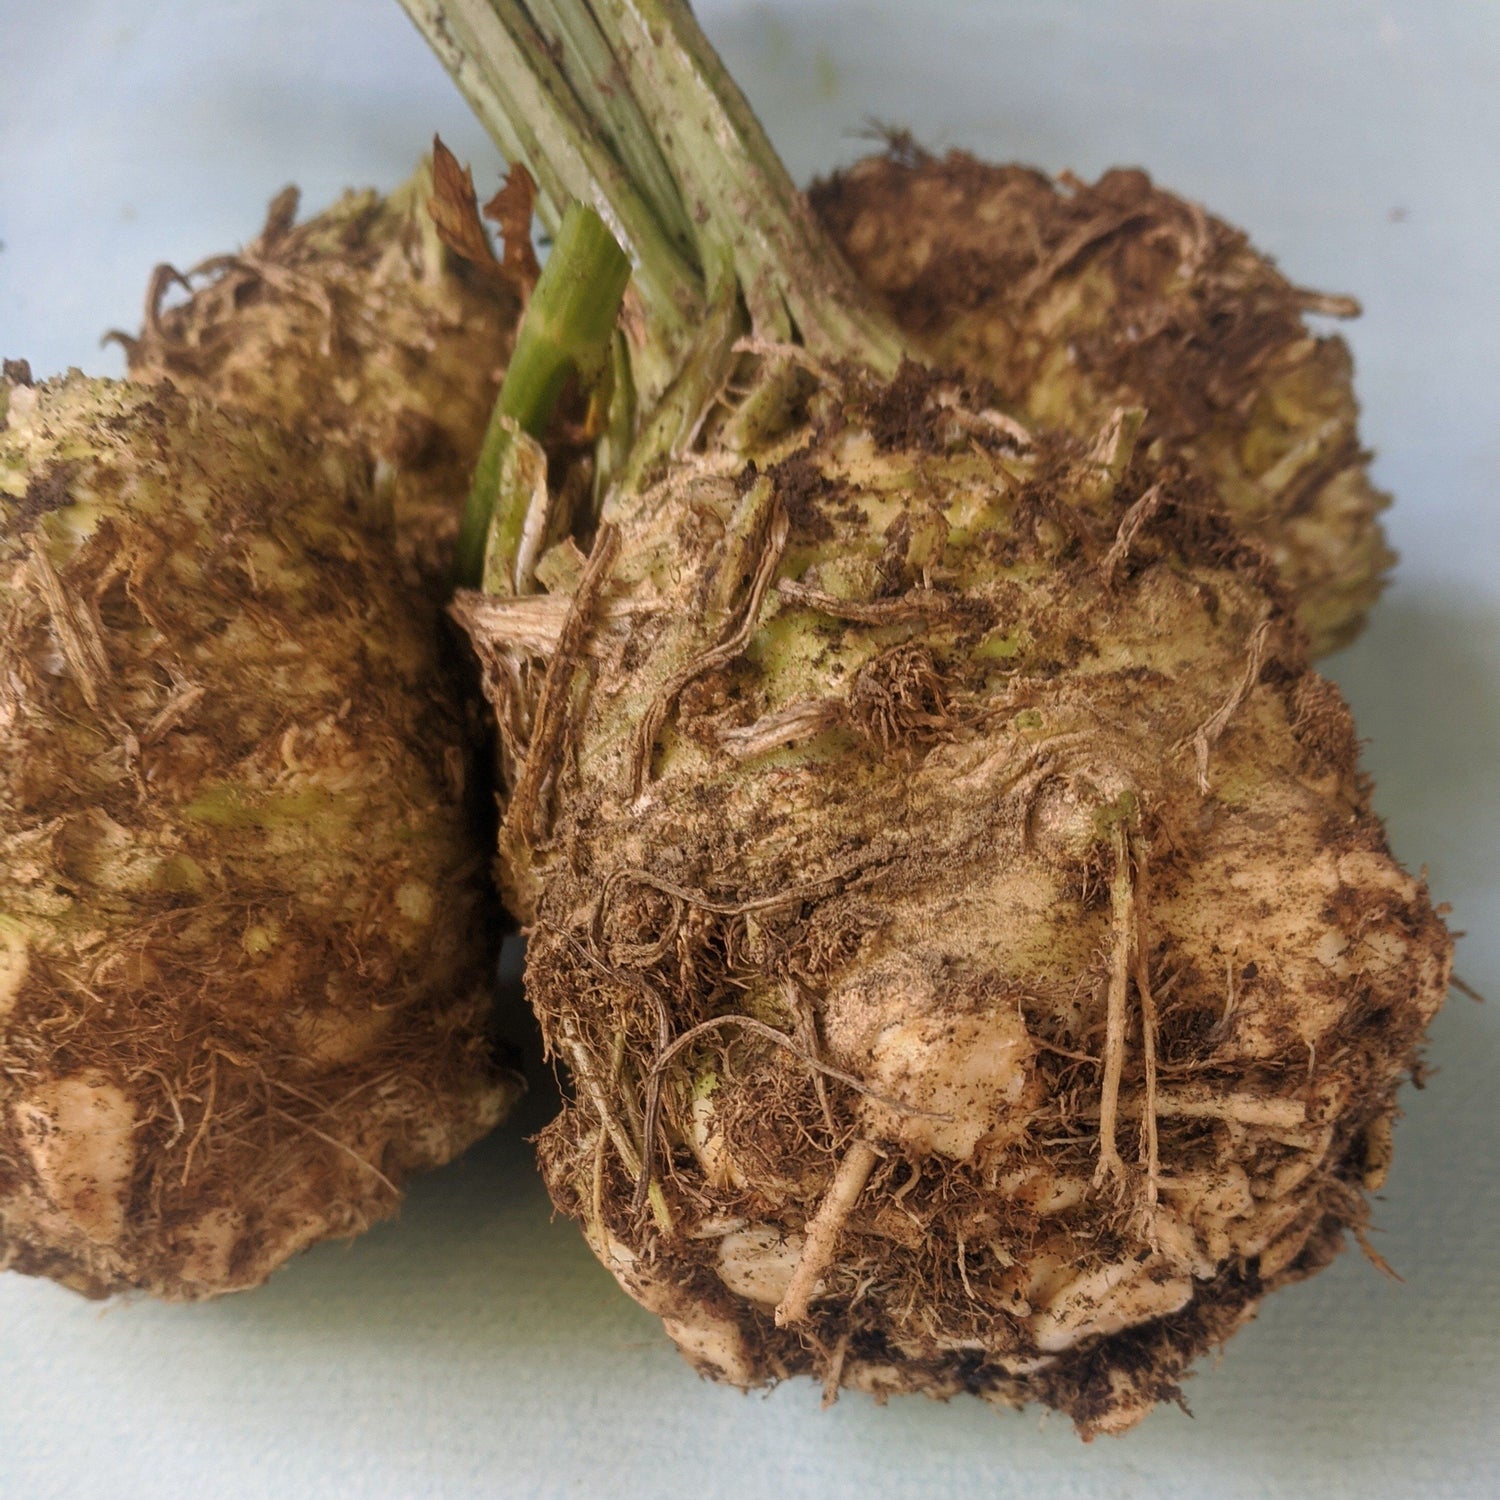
474 1348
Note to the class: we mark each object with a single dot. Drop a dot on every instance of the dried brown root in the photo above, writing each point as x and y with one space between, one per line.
1139 514
1207 734
914 604
1150 1127
835 1371
526 815
756 517
1123 934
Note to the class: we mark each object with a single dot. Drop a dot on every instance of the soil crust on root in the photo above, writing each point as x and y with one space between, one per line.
357 327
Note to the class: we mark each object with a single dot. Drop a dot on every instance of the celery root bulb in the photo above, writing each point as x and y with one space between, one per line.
243 974
1074 298
956 904
951 893
357 327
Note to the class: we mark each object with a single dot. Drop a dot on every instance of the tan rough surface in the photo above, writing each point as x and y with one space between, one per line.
905 745
1074 298
241 995
358 328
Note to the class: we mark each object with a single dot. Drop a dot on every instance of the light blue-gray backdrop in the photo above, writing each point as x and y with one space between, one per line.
473 1348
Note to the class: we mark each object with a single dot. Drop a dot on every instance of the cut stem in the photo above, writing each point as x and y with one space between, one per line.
622 104
567 330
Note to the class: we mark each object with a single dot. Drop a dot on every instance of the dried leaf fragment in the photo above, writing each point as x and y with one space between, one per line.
511 210
454 207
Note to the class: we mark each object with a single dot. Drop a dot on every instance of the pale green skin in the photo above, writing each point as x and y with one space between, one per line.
244 913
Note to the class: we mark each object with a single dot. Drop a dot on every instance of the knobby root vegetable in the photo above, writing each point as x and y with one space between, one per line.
244 950
979 944
1075 298
358 327
948 886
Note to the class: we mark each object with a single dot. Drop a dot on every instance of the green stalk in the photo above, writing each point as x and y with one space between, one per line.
584 56
502 61
567 330
795 282
598 96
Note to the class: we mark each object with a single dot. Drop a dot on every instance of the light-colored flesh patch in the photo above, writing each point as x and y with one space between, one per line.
76 1133
757 1263
15 964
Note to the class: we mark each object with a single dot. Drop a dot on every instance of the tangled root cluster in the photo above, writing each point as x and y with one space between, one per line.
1075 298
957 905
241 994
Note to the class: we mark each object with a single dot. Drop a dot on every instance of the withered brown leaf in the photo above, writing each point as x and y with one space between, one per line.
454 207
511 208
